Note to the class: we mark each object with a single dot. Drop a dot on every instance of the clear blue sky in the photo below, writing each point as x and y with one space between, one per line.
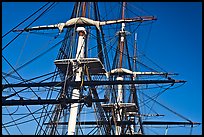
175 43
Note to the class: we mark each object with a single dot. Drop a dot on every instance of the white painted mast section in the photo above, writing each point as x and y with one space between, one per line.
119 100
81 42
166 130
134 52
75 94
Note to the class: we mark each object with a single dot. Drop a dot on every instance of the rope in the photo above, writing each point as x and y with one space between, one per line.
22 50
21 117
14 122
35 58
25 20
168 109
156 96
5 129
19 75
25 28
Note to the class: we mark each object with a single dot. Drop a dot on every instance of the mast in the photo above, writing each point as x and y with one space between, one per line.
120 78
76 93
122 36
83 9
135 53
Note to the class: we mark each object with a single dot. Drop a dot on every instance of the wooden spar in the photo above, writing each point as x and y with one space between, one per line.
130 123
82 21
89 83
96 123
168 123
49 101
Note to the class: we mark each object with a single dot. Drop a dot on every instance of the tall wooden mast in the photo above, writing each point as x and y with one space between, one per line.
122 36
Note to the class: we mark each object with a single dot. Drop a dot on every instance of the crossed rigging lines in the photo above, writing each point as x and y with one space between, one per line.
16 93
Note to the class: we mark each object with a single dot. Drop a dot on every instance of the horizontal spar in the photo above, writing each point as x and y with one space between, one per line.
48 101
91 83
82 21
95 123
168 123
129 123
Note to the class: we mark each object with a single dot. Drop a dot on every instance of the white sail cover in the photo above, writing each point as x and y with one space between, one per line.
83 20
